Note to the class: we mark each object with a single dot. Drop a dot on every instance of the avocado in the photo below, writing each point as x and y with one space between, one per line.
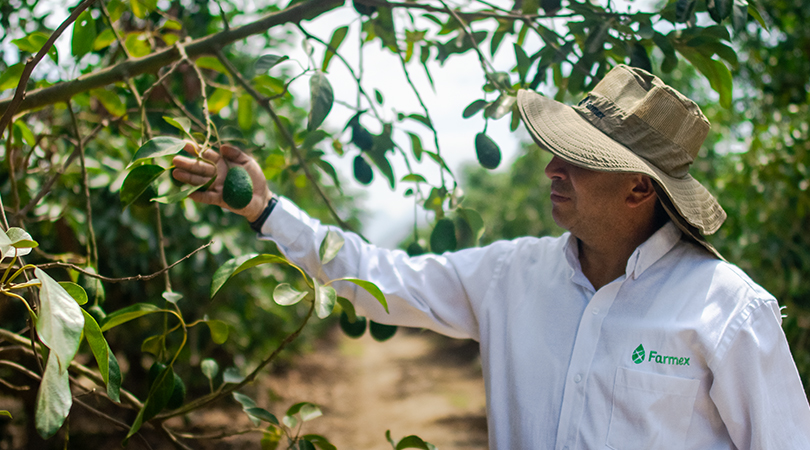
237 189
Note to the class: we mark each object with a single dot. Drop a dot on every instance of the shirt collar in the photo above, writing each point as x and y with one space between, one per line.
642 258
653 249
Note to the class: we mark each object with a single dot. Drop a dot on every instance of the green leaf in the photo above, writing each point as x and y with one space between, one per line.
334 44
34 42
474 221
60 320
718 74
219 99
141 8
126 314
684 9
137 44
320 101
181 123
500 107
157 147
330 246
53 398
371 288
262 414
75 291
347 308
325 298
101 351
241 263
412 442
319 441
244 112
719 9
23 133
115 378
247 403
10 77
5 413
182 194
84 34
416 146
137 181
159 394
421 119
523 62
171 297
473 108
219 331
413 178
209 368
110 101
16 242
104 39
211 63
378 96
267 62
753 9
739 15
154 344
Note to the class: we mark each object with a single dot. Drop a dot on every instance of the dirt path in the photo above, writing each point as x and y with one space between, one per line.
416 383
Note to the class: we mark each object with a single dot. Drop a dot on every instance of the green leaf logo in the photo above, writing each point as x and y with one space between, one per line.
638 354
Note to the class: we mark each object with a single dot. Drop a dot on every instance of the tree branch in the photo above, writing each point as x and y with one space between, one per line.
130 68
19 96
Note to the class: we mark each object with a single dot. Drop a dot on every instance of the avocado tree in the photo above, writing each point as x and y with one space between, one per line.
100 246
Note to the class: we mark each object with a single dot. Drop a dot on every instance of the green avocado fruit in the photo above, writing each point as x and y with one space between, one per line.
414 249
362 171
237 189
352 329
381 332
443 237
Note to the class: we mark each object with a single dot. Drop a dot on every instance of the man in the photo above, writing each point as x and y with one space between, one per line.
627 332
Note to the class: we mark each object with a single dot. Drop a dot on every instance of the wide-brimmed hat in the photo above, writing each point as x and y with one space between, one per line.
632 122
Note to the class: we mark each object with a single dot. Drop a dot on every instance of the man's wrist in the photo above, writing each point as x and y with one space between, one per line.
256 225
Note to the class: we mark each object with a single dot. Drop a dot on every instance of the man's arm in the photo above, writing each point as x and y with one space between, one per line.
439 292
757 389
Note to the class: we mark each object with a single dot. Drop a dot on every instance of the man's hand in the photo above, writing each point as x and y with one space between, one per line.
198 172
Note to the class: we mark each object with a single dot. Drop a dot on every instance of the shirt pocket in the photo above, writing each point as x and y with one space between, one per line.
650 410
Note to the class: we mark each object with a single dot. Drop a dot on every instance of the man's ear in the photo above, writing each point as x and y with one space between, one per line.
642 191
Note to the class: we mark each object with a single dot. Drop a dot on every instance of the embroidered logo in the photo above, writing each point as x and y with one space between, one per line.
639 355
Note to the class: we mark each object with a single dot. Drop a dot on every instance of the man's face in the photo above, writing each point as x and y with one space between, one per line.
585 201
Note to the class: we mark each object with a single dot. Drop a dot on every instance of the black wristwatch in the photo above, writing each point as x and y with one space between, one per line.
256 225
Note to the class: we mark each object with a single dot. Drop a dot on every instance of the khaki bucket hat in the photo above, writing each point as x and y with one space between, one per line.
632 122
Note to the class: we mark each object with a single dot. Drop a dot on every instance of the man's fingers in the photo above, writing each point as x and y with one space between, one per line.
189 177
208 197
233 154
194 166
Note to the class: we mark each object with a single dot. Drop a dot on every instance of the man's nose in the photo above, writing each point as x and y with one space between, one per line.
556 169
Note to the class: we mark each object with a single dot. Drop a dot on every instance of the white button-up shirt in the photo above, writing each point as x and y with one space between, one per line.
683 351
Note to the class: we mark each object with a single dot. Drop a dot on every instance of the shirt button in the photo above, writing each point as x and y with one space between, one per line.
595 311
577 378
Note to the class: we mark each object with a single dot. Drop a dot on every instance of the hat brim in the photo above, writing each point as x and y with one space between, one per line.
561 130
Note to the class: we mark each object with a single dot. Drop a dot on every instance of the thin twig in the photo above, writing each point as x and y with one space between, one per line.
221 435
110 419
19 94
348 66
92 245
120 280
265 103
223 390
